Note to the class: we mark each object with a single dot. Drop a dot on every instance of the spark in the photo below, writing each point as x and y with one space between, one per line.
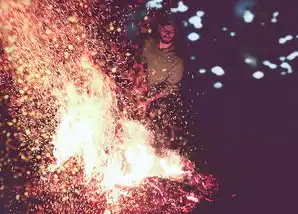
180 8
285 39
154 4
286 66
196 20
218 85
269 64
193 36
202 71
248 16
250 60
258 75
233 34
292 55
217 70
242 6
274 18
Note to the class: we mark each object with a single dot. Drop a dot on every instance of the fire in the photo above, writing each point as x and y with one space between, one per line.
85 151
114 149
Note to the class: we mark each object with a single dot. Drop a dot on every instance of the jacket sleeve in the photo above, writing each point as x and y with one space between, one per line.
173 81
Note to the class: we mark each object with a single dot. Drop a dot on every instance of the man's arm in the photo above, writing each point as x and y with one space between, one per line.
172 83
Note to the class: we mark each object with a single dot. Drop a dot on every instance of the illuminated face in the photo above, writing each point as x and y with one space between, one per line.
167 33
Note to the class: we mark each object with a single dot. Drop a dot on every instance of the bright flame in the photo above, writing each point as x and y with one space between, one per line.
114 150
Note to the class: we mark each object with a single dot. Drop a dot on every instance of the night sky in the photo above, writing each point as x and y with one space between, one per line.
247 127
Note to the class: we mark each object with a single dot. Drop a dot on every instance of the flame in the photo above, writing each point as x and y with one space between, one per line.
89 128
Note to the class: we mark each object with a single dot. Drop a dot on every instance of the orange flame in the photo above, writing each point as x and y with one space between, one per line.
88 128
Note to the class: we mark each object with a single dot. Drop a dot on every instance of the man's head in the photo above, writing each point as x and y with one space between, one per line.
167 32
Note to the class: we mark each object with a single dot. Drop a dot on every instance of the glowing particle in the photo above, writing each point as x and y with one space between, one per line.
20 69
157 4
269 64
118 29
248 16
180 8
285 39
287 66
258 75
233 34
200 13
218 85
114 70
149 30
243 5
107 212
12 39
202 71
224 29
217 70
292 56
48 31
196 20
185 23
192 57
274 18
72 19
10 49
250 60
192 198
193 36
282 58
70 47
66 55
18 197
6 97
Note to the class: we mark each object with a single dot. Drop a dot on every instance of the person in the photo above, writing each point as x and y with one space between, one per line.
163 70
164 67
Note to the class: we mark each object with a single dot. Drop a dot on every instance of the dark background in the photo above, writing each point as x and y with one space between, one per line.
248 129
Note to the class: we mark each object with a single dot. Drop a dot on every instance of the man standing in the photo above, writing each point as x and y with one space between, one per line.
164 73
164 67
